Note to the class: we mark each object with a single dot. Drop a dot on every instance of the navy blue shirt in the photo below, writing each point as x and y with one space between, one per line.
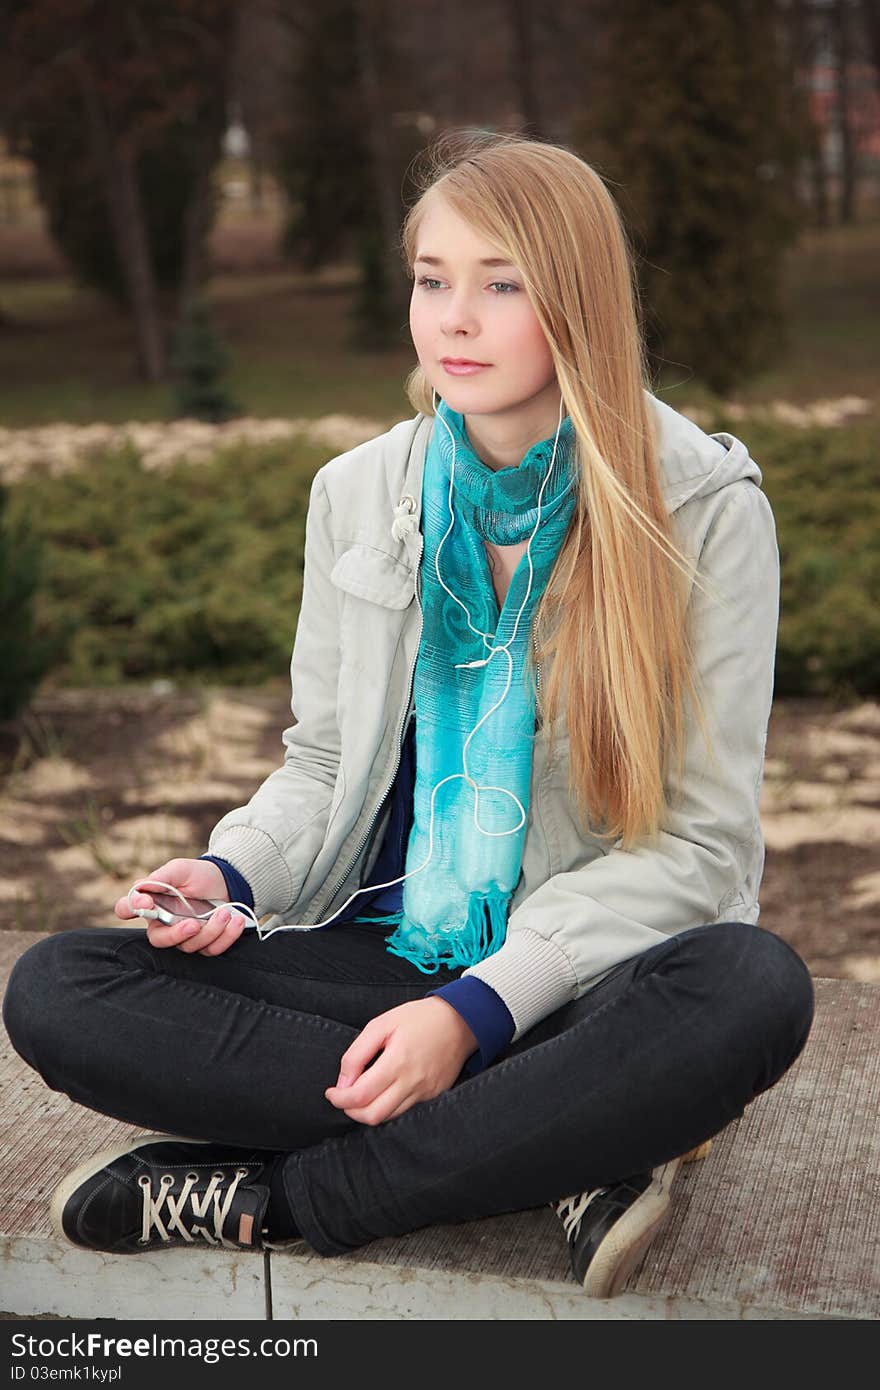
483 1010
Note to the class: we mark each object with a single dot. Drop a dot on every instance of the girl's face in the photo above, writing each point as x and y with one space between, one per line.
466 309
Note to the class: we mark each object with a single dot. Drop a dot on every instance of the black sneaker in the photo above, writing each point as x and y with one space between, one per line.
610 1228
158 1192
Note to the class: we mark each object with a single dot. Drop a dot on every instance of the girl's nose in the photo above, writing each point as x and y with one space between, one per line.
458 316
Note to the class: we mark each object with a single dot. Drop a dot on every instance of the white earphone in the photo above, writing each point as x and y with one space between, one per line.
405 524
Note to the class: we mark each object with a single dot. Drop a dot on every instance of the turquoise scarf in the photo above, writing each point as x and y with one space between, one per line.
455 909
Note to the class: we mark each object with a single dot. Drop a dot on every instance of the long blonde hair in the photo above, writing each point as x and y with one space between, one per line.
610 632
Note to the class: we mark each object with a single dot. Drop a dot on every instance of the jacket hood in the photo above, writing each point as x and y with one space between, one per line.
693 463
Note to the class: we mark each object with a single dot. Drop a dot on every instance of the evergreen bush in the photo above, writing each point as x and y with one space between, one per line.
200 363
192 572
373 316
822 485
26 653
198 571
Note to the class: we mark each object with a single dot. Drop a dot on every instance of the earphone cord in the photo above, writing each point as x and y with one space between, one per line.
265 930
158 914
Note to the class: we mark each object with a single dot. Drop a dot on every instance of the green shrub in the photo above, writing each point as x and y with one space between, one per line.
26 652
198 571
822 485
200 363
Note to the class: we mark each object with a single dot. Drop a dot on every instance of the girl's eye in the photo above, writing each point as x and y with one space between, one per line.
427 281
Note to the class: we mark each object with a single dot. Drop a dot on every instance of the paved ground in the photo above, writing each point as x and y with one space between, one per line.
106 785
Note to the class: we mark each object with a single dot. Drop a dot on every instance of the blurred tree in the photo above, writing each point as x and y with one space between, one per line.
342 158
842 30
374 312
260 71
802 26
836 45
26 654
200 362
321 154
523 24
693 117
855 54
871 23
170 178
378 68
122 107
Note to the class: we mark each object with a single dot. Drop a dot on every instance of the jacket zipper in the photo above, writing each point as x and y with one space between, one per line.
537 669
329 896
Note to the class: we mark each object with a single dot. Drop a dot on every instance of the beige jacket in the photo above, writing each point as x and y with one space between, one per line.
310 834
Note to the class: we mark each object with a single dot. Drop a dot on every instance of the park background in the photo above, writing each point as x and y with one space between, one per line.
202 300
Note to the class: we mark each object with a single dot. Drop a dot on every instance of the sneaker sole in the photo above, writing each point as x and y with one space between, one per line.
628 1240
68 1185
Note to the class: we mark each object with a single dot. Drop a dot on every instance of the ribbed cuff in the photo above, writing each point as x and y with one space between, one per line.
530 974
259 860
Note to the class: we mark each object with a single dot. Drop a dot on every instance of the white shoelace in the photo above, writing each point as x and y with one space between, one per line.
152 1213
571 1210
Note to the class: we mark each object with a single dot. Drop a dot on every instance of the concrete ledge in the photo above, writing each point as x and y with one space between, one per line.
781 1221
302 1288
44 1275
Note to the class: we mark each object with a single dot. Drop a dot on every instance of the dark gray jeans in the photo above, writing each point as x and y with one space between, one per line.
239 1048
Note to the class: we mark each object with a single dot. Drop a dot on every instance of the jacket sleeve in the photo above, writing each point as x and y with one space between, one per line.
273 840
579 924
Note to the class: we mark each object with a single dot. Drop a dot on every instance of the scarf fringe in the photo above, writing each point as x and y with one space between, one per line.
482 935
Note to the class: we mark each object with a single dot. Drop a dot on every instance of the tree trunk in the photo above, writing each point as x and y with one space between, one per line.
803 45
197 218
128 225
819 180
133 249
840 21
385 175
871 21
520 16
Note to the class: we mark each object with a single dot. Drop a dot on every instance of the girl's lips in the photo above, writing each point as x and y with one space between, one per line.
464 368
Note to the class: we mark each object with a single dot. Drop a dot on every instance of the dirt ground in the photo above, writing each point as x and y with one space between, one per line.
100 787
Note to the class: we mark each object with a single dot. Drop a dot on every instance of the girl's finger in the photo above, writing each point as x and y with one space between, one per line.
369 1041
405 1105
125 908
381 1109
368 1087
179 932
227 938
208 932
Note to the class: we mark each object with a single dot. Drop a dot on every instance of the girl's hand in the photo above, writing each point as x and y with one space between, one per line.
423 1044
197 879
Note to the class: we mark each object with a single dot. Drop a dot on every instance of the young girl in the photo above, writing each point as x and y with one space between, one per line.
507 876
